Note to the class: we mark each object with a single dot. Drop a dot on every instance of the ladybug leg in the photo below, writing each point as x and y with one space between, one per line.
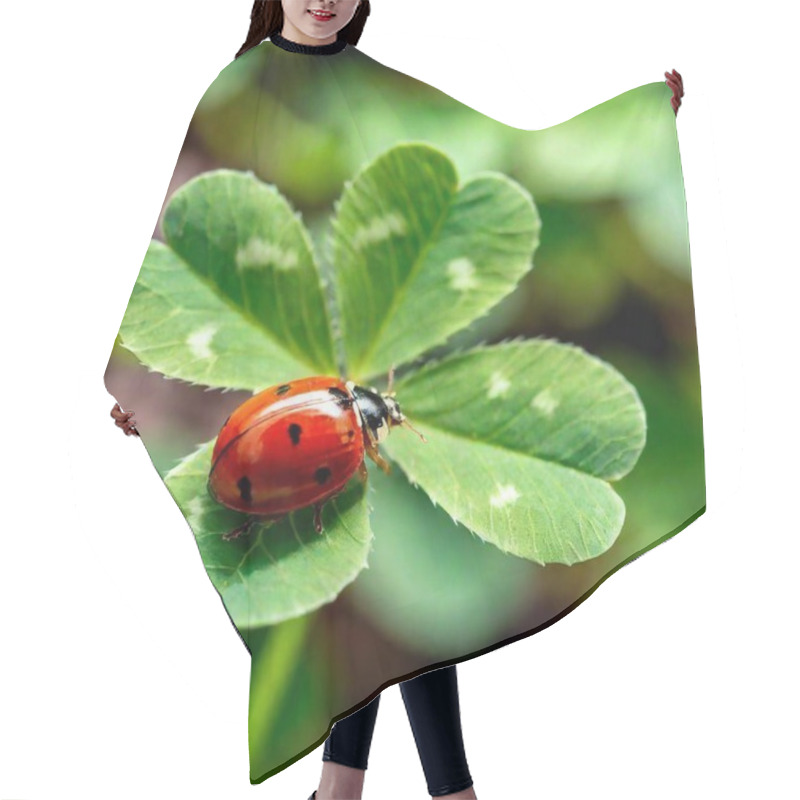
237 532
318 517
372 452
362 471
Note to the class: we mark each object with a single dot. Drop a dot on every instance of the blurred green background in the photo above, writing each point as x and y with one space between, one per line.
612 275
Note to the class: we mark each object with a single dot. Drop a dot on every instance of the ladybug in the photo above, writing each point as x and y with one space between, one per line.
298 444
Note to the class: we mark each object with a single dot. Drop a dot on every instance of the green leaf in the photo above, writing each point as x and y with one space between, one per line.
416 258
235 298
280 570
422 561
523 438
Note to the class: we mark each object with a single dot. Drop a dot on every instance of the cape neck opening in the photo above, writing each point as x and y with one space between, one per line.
310 49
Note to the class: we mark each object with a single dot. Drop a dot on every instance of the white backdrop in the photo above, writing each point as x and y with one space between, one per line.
121 676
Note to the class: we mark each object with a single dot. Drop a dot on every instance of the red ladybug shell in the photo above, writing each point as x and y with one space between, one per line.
287 447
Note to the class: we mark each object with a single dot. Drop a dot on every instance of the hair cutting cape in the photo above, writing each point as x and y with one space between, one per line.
330 216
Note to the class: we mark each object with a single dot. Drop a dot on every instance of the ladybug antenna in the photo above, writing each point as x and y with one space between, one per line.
409 425
391 381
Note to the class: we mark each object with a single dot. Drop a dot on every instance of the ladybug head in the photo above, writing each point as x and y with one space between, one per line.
380 412
394 415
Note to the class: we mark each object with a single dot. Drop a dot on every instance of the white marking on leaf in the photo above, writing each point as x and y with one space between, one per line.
199 341
505 495
378 229
498 385
260 253
462 274
546 402
194 512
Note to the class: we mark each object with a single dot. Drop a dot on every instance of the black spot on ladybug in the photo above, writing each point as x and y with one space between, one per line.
322 475
294 433
244 487
342 398
350 434
283 388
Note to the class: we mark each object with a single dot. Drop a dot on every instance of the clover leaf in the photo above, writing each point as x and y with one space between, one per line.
235 298
523 437
417 257
279 570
